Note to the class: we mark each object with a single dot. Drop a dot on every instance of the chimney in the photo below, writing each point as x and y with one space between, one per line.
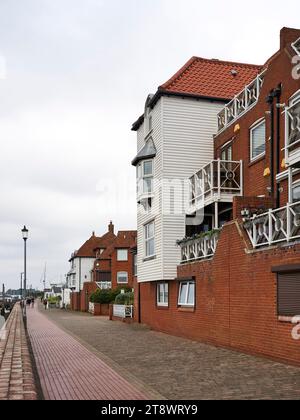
111 227
288 36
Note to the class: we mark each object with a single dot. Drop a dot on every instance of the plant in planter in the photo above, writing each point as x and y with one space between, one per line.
201 235
125 299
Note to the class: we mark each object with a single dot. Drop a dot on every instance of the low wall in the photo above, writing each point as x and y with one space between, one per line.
236 300
16 371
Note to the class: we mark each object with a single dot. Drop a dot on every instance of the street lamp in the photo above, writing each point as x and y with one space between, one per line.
25 237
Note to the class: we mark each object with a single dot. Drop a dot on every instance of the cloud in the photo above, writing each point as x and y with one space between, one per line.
76 75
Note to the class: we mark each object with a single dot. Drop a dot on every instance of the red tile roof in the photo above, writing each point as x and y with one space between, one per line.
88 249
126 239
211 78
205 78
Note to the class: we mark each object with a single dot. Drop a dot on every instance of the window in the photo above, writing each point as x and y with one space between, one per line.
135 264
288 290
296 192
122 255
186 293
145 177
149 239
162 294
258 140
122 277
226 152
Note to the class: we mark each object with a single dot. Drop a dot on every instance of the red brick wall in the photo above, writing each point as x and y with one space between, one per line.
117 266
88 289
235 300
75 301
279 72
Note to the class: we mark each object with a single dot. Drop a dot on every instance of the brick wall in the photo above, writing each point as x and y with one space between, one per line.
118 266
279 72
16 371
236 300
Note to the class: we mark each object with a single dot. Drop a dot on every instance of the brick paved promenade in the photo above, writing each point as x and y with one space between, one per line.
70 371
16 373
178 368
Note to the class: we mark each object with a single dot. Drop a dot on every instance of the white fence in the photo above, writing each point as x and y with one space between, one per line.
219 180
241 103
279 225
199 248
123 311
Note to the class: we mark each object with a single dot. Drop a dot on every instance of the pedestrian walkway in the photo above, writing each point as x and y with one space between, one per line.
70 371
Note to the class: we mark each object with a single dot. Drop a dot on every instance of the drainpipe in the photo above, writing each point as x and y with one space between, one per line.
270 101
277 93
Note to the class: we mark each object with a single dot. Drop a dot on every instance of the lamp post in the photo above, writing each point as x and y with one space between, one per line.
21 286
25 237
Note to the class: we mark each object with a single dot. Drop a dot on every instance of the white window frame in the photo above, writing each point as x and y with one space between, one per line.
125 259
256 125
185 303
296 184
147 238
165 302
141 177
122 274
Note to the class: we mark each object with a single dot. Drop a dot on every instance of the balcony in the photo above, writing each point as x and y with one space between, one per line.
296 46
275 226
292 135
202 247
241 103
220 180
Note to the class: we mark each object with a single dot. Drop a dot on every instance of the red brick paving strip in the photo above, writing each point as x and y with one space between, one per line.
16 374
69 371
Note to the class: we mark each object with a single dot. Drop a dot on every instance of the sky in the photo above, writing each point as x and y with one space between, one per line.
74 76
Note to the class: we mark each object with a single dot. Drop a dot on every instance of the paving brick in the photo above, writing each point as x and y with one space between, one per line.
69 371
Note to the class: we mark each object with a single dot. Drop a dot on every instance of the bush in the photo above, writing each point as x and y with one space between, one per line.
102 296
108 296
125 299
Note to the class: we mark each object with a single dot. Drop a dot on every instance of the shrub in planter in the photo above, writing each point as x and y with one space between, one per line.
125 299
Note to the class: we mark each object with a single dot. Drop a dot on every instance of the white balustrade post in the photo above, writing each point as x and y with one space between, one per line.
288 222
270 227
219 179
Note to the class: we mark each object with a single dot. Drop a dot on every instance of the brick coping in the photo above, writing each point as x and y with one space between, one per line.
16 371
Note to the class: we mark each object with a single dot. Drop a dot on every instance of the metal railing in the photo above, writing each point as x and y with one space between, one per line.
199 248
219 179
296 46
292 134
241 103
275 226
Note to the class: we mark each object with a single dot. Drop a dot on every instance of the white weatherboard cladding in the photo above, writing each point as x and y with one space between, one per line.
83 268
152 270
183 132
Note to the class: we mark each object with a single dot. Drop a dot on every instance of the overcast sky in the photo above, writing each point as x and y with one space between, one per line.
74 75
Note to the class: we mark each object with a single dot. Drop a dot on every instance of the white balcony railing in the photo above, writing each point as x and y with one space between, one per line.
296 46
241 103
292 134
104 285
199 248
275 226
220 180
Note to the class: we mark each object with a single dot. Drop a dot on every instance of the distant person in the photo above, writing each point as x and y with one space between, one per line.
32 302
45 302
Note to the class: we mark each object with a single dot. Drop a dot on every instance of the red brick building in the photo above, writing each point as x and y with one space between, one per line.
111 258
239 281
